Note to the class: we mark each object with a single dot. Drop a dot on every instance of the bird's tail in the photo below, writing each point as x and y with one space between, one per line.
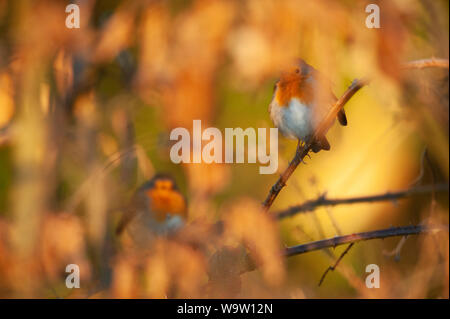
320 144
342 117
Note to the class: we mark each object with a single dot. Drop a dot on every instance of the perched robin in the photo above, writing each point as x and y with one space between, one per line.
156 209
301 100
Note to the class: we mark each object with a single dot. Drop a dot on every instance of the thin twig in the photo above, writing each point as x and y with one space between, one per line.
334 222
332 268
396 251
388 196
344 270
318 226
353 238
422 168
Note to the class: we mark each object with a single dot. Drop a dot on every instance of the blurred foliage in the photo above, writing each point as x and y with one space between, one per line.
85 117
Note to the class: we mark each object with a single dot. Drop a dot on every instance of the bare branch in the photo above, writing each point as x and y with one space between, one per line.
249 264
427 63
388 196
353 238
332 268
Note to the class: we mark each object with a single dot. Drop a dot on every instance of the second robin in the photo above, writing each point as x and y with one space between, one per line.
157 209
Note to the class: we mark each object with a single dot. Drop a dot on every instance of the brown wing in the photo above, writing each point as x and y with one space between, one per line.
273 94
342 118
130 213
326 85
124 221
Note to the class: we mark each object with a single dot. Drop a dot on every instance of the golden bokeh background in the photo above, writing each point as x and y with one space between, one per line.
85 118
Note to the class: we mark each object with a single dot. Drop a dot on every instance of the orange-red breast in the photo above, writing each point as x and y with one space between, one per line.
157 208
301 100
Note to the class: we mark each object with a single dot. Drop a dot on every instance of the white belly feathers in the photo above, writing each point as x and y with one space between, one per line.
294 121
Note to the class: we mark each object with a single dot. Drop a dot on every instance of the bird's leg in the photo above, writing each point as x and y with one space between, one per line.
299 146
299 150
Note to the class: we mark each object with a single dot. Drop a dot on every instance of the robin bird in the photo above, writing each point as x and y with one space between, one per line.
301 100
157 209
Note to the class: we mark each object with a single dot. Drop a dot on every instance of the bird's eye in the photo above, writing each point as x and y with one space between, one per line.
297 71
